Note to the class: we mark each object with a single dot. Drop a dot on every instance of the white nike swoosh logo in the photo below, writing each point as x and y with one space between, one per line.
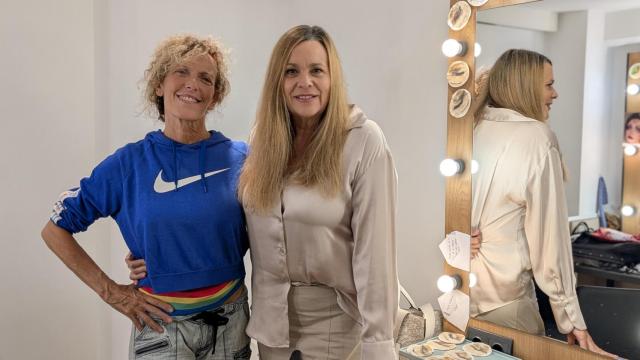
160 186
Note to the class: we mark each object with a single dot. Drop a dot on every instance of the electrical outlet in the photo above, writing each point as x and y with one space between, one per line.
496 342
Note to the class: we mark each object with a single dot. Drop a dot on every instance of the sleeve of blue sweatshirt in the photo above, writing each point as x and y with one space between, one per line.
99 195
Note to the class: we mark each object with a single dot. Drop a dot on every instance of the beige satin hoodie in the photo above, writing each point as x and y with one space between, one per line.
519 205
346 242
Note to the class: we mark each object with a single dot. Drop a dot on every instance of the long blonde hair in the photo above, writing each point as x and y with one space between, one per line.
514 82
271 141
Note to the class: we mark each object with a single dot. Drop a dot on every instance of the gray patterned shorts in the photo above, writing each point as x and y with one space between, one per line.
188 337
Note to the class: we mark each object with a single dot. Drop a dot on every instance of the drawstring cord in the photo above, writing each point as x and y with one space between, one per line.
215 320
203 155
175 165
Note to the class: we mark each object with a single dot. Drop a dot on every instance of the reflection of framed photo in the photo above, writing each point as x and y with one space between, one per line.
458 74
459 15
632 128
634 71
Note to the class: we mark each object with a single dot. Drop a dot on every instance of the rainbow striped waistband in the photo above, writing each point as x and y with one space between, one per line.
197 300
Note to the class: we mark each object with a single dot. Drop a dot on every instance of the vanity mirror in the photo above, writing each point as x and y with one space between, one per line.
583 61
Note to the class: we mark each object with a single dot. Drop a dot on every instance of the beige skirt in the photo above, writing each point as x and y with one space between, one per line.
522 314
318 327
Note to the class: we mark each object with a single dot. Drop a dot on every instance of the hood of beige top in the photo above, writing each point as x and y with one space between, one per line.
356 116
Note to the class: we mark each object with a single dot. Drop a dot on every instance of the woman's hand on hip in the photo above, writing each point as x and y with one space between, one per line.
137 306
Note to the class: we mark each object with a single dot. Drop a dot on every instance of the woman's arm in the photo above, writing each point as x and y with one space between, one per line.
124 298
374 255
549 241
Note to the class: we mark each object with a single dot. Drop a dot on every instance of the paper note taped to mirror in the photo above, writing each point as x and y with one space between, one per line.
456 249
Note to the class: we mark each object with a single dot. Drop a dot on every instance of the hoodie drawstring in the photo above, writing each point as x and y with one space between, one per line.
203 155
175 165
201 159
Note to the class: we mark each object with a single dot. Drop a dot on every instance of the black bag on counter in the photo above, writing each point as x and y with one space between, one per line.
618 254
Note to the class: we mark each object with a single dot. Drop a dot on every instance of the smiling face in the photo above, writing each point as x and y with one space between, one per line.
549 94
188 89
307 81
632 131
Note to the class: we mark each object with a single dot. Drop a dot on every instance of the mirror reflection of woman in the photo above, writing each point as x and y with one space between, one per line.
519 203
632 129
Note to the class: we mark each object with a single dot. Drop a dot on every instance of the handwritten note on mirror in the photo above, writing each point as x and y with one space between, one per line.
456 249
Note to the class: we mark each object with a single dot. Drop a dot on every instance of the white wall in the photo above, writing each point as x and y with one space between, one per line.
70 97
496 39
621 27
566 48
520 17
595 129
47 144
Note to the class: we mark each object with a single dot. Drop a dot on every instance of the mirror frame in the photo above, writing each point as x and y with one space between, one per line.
631 164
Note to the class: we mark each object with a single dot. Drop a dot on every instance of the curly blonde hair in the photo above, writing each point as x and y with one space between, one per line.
176 50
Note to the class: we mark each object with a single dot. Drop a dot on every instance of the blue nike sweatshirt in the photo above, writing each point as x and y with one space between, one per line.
176 207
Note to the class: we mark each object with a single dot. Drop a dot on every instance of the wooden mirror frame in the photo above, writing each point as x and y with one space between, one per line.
631 164
458 203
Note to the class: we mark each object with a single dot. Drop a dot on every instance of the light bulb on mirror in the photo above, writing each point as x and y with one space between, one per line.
633 89
628 210
477 50
473 279
452 47
630 150
448 283
450 167
474 167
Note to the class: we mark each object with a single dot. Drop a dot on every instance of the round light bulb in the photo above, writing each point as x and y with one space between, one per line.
452 47
633 89
473 279
448 283
628 210
630 150
450 167
474 167
477 50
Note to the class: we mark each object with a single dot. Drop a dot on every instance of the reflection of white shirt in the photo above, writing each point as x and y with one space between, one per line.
346 242
520 207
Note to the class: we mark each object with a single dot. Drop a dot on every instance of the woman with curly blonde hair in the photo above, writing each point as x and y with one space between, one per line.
173 197
319 192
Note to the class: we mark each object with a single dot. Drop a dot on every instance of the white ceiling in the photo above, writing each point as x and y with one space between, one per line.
574 5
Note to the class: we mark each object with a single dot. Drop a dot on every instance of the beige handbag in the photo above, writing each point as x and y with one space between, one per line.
416 323
412 325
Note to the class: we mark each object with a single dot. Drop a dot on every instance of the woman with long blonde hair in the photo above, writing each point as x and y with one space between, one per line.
519 203
319 192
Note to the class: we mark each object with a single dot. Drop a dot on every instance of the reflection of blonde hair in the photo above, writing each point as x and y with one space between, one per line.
176 50
271 141
514 82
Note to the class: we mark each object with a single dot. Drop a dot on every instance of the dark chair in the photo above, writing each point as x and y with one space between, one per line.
613 318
